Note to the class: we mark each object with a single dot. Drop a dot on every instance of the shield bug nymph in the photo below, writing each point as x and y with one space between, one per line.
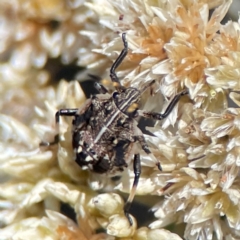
104 129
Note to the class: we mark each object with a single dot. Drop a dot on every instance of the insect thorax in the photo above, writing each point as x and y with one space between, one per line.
126 98
103 132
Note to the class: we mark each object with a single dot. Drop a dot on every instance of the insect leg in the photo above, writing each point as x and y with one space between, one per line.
144 145
97 85
118 61
62 112
160 116
100 88
94 77
137 173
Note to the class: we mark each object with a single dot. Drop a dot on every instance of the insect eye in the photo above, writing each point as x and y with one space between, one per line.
92 151
115 95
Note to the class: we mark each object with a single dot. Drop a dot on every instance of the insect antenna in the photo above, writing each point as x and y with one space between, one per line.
118 61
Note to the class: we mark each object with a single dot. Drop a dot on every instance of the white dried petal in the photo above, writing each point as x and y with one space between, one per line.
217 127
60 219
14 129
229 177
65 192
15 190
218 15
28 167
163 67
21 230
37 194
39 59
199 214
212 179
8 216
107 204
119 226
145 184
234 194
52 227
163 222
162 234
103 222
141 233
97 181
191 172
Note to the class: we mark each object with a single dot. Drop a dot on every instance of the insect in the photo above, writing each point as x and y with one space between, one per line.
104 129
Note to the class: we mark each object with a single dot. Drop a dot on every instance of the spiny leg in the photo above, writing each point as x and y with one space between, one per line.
62 112
100 88
137 173
144 145
118 61
94 77
160 116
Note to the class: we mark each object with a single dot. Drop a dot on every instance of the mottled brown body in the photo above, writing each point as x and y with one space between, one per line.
104 130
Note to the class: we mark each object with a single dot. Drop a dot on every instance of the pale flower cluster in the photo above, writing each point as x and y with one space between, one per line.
175 42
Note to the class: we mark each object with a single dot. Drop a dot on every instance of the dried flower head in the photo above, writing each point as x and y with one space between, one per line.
178 44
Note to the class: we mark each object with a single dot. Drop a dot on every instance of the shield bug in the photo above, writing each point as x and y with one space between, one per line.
104 129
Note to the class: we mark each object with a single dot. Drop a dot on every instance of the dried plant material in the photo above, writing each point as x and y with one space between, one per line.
174 42
119 226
